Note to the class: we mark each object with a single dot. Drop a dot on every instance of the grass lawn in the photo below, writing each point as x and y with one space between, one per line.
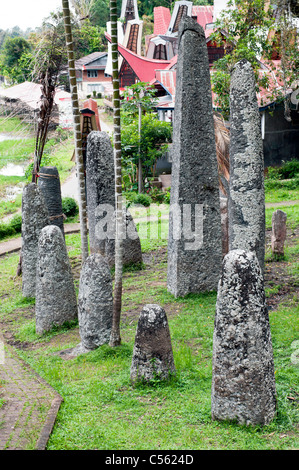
21 151
103 410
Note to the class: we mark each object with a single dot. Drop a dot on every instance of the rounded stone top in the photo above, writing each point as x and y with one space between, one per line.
51 234
152 314
189 24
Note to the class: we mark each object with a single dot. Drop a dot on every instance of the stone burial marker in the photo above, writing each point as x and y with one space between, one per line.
279 232
56 300
152 353
243 383
100 189
95 303
49 183
246 204
35 217
195 238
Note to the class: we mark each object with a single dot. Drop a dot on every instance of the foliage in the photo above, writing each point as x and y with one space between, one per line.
154 139
249 29
138 198
12 227
139 94
15 59
289 169
69 207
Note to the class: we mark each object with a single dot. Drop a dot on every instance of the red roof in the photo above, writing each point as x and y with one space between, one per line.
162 17
204 14
167 78
144 68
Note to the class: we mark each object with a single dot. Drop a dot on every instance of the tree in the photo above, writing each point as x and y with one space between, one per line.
14 59
115 339
246 29
77 128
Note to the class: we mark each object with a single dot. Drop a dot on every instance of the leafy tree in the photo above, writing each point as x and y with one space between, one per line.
150 145
14 59
251 33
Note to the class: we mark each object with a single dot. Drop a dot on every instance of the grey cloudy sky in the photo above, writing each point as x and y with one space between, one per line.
25 13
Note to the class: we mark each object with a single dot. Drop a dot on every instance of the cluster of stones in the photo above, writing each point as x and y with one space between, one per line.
243 385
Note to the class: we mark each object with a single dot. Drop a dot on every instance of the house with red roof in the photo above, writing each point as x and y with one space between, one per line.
158 67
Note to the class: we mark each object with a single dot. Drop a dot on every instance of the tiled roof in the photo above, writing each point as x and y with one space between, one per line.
204 14
83 61
162 17
30 94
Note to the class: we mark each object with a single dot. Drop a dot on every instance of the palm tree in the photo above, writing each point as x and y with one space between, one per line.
115 338
77 128
82 8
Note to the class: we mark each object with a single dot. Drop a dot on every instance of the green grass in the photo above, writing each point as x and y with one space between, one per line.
292 215
21 150
103 410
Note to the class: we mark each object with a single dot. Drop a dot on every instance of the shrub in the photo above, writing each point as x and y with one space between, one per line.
11 228
138 198
69 207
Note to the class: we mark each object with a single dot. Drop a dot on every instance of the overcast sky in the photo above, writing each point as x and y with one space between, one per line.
25 13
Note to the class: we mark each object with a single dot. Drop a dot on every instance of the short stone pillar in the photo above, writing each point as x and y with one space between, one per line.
49 183
152 354
279 232
35 217
100 188
243 384
56 301
95 302
246 183
194 241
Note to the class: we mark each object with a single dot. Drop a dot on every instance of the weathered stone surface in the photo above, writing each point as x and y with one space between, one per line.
99 183
279 232
246 193
56 300
194 260
35 217
49 183
95 302
152 354
243 384
132 253
100 189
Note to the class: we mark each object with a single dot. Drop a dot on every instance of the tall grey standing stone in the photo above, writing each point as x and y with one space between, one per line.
49 183
35 217
279 232
99 184
194 260
56 300
243 383
100 188
95 302
152 353
246 193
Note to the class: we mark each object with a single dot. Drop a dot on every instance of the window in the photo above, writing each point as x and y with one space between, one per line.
92 73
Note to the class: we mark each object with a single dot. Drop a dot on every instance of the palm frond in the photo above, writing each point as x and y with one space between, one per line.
222 139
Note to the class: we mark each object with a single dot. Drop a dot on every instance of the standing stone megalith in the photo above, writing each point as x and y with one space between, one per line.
152 353
195 239
56 301
246 194
243 384
279 232
100 188
49 183
95 302
35 217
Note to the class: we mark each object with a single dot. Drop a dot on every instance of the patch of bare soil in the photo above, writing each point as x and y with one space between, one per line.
277 275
